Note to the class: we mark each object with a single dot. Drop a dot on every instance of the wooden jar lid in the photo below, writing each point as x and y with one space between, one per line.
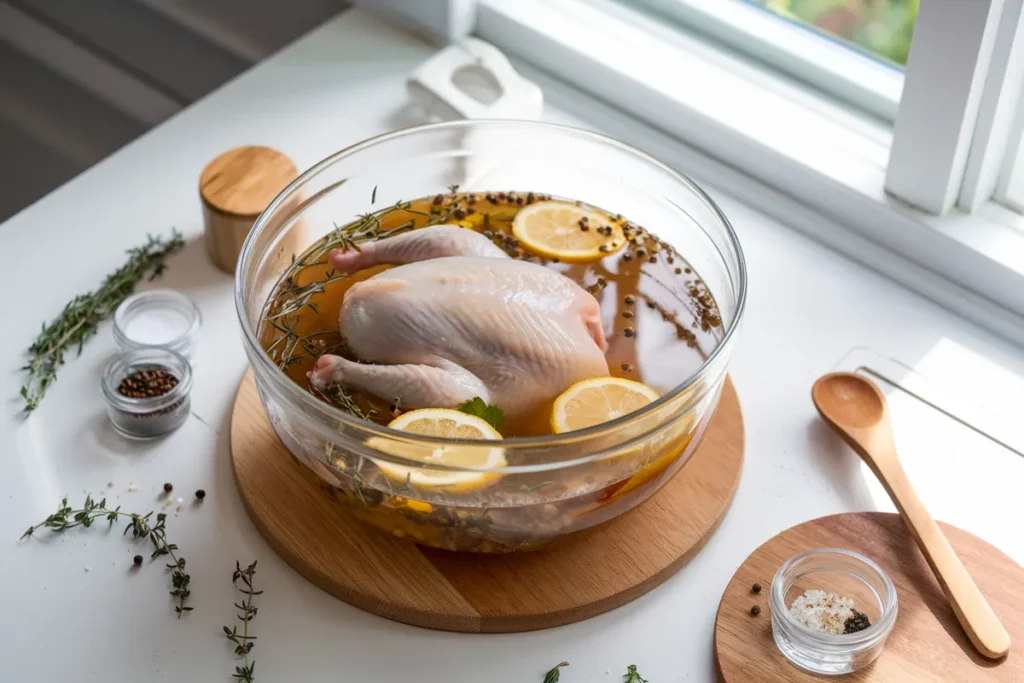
243 180
235 188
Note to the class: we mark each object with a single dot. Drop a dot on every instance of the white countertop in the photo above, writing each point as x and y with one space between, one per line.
73 610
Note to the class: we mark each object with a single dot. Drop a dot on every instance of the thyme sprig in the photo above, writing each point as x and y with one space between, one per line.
68 518
632 676
553 675
82 315
244 643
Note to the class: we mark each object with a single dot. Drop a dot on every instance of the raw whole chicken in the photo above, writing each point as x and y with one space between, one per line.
462 319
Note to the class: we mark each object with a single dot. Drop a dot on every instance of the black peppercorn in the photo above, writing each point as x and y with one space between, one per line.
756 588
629 332
630 299
168 487
200 494
626 367
755 610
137 560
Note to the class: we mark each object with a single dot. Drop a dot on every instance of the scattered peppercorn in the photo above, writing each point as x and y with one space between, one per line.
756 588
678 272
651 305
630 299
670 259
629 332
653 259
531 198
755 610
168 487
627 314
688 271
200 494
626 367
137 560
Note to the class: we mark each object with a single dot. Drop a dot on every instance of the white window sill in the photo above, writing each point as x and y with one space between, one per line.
805 161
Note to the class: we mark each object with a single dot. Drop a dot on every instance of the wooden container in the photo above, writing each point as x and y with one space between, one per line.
235 188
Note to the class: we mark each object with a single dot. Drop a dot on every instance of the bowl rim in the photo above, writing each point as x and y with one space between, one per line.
304 397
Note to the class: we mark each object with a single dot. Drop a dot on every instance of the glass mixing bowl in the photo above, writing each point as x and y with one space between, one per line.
551 485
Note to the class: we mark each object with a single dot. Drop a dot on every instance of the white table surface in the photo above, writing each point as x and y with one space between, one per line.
73 610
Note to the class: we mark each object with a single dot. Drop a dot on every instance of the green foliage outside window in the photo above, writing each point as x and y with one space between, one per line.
881 27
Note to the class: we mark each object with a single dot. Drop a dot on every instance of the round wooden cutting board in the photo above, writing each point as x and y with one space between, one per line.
926 644
582 576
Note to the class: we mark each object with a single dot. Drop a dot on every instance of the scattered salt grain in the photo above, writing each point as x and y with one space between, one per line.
821 611
132 488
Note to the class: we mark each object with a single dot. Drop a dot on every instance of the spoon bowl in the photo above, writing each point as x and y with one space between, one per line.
856 409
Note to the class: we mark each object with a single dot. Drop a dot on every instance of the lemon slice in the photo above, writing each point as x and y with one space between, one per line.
567 232
595 401
442 423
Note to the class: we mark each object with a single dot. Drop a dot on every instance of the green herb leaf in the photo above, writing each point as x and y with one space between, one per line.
493 415
81 317
552 676
632 676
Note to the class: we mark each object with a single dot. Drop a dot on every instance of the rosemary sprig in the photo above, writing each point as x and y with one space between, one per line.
82 315
243 641
68 518
632 676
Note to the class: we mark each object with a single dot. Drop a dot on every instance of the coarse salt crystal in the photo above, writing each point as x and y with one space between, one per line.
821 611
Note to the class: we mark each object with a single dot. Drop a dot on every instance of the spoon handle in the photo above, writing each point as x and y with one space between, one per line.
972 610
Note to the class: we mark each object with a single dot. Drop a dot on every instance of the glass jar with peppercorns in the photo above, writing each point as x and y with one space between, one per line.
147 392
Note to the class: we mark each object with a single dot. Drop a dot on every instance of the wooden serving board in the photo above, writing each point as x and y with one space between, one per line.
926 645
579 577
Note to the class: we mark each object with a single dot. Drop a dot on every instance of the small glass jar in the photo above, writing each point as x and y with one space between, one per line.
148 418
847 574
158 319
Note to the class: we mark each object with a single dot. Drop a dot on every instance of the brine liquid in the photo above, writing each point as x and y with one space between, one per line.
660 320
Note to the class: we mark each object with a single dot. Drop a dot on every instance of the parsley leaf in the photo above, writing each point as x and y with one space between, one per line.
490 414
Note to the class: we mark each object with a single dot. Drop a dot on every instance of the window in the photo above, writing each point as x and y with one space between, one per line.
853 50
887 128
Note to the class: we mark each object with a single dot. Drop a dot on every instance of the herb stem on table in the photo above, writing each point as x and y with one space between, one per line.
243 641
631 675
553 675
82 315
68 518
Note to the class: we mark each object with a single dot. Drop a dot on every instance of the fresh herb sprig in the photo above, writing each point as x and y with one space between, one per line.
244 643
492 415
81 317
553 675
67 517
631 675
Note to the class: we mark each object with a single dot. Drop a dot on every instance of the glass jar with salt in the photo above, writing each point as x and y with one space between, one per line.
158 319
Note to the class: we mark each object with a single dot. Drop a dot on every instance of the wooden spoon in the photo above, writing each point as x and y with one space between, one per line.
855 407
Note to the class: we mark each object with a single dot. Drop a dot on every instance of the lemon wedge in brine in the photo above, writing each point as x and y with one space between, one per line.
442 423
567 232
598 400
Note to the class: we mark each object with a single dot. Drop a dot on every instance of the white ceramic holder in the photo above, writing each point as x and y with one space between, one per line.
434 85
